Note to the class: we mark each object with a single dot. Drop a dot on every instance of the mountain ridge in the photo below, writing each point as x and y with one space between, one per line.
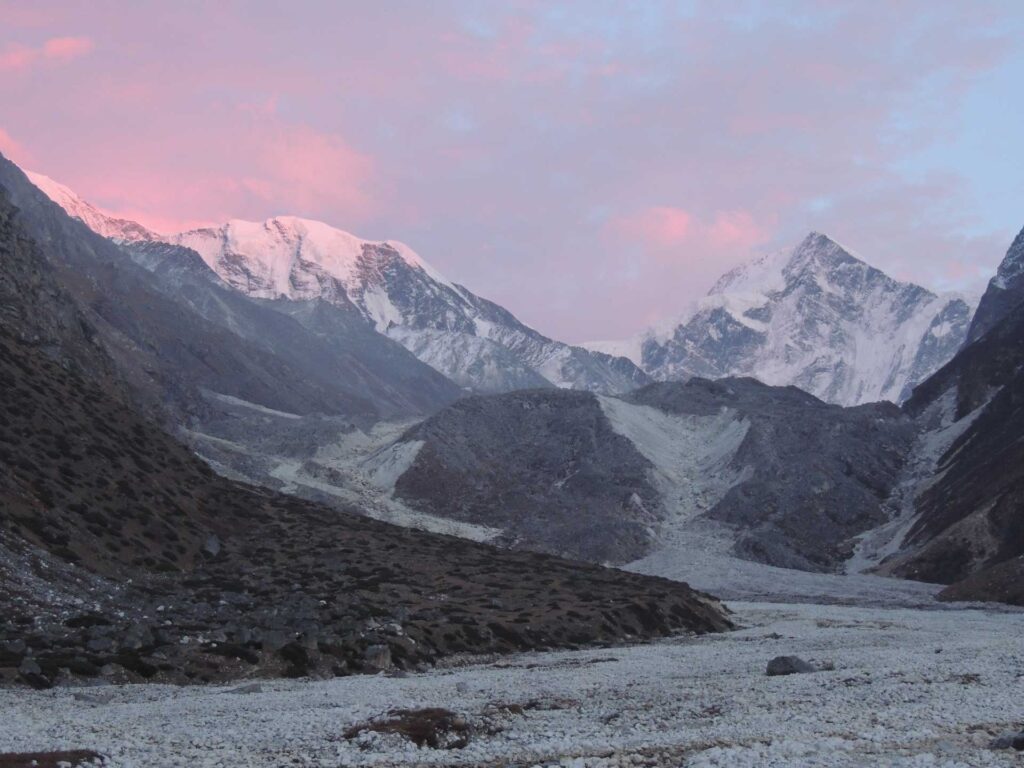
394 288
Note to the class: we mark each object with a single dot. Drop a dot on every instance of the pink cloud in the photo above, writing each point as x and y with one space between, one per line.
17 57
67 48
12 149
736 229
660 227
264 167
683 251
315 168
664 229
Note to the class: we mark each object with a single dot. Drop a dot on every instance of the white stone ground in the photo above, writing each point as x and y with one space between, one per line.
910 687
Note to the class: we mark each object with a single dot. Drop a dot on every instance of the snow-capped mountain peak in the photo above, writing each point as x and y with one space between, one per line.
293 257
815 316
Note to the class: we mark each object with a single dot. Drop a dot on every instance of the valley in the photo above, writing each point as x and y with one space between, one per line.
511 384
272 473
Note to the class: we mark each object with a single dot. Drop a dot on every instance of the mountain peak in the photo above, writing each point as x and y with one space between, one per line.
1011 268
775 270
476 343
815 316
266 254
820 250
1005 291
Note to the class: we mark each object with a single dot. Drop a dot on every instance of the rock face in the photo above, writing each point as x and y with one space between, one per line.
603 478
1005 291
815 317
474 342
967 525
105 556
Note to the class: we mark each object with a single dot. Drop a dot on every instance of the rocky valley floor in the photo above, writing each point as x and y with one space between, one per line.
899 687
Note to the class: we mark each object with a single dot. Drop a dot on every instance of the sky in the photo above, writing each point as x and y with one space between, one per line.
592 166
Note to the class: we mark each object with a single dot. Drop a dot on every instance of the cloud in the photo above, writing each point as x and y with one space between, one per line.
16 57
66 48
659 227
265 166
313 170
669 233
589 168
13 150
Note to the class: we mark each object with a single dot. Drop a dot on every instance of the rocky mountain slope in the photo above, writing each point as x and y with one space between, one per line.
967 524
815 317
608 479
123 556
474 342
176 331
326 345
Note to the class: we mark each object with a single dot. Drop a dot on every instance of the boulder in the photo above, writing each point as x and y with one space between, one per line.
789 665
212 545
1010 741
377 657
32 674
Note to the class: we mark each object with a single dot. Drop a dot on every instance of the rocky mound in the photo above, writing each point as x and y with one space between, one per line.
545 466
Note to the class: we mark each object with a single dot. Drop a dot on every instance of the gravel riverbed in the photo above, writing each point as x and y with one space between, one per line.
900 687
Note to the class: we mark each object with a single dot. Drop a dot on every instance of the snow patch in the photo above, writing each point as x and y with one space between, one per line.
239 402
385 466
691 454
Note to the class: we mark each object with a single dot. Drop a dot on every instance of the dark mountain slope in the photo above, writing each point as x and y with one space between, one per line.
329 345
971 517
88 490
121 554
